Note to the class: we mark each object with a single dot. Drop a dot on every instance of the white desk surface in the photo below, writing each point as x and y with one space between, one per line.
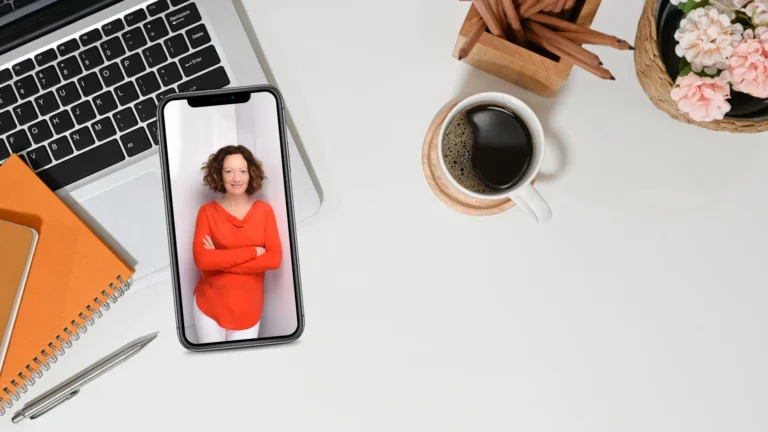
640 307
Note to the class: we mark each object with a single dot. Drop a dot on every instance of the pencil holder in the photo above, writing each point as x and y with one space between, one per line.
536 71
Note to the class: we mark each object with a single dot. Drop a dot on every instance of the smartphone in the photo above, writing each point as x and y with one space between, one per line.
229 209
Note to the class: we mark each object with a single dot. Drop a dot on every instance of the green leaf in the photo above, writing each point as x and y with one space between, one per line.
693 4
685 71
681 6
685 67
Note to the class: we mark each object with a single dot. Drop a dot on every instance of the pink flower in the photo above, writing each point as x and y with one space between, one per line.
704 99
748 66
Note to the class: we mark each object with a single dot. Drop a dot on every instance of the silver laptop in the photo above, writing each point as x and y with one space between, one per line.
79 85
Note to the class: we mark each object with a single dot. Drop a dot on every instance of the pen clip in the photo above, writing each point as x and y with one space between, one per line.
56 403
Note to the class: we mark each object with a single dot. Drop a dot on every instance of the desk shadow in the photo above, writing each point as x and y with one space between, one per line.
556 157
289 123
26 219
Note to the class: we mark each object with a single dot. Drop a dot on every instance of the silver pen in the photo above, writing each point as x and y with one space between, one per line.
71 387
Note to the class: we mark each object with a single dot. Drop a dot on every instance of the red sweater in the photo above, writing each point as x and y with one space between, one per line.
231 285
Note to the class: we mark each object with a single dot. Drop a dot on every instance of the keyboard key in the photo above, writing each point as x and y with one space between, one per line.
44 57
134 39
48 77
83 112
46 103
154 55
146 109
199 61
60 148
69 67
25 113
7 96
5 8
111 74
135 17
17 4
19 141
4 152
213 79
82 138
198 36
91 58
89 84
176 45
163 94
5 75
68 94
40 131
183 17
112 48
26 87
153 132
39 157
155 29
23 67
62 122
135 141
113 27
7 123
68 47
90 37
126 93
157 7
133 65
103 129
125 119
82 165
105 103
169 74
147 83
175 3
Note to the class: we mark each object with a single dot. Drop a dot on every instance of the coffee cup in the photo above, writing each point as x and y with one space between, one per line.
521 191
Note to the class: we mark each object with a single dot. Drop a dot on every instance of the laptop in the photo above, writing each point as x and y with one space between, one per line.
79 85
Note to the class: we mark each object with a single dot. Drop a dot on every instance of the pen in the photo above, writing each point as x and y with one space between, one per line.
71 387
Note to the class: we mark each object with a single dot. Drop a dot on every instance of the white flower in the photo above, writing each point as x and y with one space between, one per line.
676 2
758 12
756 33
707 38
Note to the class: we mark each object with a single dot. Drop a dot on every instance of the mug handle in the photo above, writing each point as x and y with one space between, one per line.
531 201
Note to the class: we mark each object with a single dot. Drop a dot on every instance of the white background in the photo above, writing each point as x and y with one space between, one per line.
640 307
193 135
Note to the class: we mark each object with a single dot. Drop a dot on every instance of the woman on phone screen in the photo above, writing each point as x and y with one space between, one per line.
236 241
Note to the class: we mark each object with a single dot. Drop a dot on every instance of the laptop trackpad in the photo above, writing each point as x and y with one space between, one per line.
130 218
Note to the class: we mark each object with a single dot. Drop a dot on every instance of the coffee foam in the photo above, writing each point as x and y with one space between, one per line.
457 153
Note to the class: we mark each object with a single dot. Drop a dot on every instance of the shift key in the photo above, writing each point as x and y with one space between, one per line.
82 165
198 61
183 17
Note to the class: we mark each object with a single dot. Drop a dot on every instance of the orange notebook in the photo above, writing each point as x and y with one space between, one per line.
74 276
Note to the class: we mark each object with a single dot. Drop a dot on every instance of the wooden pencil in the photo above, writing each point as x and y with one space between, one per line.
559 6
567 26
475 32
596 39
514 21
598 71
537 8
566 44
525 4
490 19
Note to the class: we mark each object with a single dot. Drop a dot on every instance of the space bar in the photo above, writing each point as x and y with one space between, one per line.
82 165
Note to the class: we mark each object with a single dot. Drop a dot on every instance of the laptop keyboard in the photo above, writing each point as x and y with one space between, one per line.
88 103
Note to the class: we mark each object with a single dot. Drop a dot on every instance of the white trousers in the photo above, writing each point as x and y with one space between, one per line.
209 330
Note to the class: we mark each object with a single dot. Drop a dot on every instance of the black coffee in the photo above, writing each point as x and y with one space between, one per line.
487 149
503 147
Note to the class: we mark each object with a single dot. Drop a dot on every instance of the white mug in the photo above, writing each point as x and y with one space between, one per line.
523 193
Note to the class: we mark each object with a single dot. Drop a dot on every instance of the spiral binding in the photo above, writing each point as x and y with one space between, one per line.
73 332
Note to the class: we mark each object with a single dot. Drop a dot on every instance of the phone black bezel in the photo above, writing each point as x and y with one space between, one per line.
222 97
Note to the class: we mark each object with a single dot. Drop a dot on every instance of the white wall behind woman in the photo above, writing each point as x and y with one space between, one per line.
258 130
193 135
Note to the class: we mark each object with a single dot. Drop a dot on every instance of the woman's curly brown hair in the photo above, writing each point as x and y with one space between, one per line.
212 169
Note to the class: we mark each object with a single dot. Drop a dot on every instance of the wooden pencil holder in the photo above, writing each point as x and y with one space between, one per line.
521 66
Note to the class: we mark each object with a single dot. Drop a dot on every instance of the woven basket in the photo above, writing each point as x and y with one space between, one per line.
657 83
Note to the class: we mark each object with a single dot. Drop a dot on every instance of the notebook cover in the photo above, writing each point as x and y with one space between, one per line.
17 244
70 268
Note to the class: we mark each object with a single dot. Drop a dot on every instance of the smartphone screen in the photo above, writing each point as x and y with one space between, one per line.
230 219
